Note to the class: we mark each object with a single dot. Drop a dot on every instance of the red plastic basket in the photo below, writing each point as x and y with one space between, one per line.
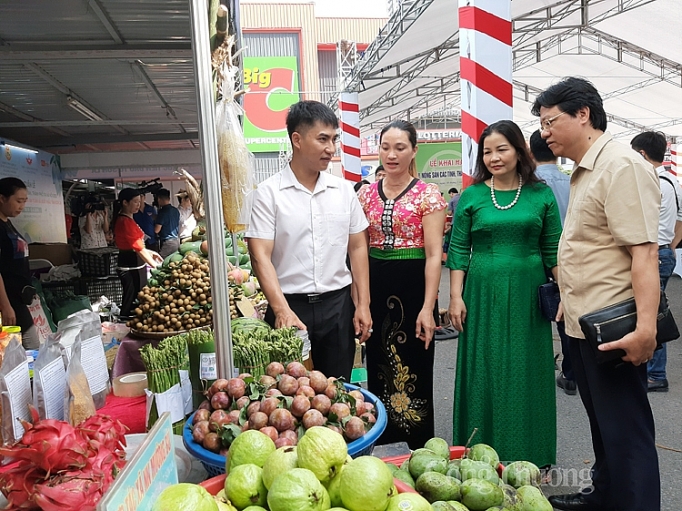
456 452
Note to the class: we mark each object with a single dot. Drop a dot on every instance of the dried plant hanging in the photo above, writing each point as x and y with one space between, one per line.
236 161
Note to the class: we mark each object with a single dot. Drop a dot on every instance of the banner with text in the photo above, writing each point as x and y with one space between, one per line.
272 86
42 220
441 163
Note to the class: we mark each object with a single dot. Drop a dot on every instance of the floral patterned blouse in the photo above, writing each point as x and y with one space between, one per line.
397 223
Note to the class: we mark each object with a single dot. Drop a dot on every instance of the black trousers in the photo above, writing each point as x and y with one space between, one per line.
132 280
625 475
329 319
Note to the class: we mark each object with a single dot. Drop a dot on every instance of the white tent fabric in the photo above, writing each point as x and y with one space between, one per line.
630 49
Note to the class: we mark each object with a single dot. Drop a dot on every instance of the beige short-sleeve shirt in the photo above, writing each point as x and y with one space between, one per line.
614 203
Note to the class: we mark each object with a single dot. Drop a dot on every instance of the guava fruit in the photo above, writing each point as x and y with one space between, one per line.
283 459
244 486
479 494
408 502
436 486
457 506
183 496
254 508
510 495
405 464
453 469
521 473
424 460
483 452
404 476
392 467
298 490
223 503
334 488
252 447
531 498
337 509
441 505
439 446
366 484
470 469
322 451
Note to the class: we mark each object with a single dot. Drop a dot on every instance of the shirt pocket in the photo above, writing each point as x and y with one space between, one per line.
338 228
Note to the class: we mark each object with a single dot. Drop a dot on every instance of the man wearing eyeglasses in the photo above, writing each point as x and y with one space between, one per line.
608 253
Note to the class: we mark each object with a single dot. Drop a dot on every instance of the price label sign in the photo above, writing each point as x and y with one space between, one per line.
147 474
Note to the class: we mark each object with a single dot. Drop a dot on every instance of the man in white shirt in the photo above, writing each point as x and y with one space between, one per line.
652 145
303 223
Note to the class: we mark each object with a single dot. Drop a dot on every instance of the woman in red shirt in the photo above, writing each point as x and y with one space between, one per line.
133 257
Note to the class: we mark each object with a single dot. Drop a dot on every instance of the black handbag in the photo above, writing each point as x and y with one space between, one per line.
548 295
615 321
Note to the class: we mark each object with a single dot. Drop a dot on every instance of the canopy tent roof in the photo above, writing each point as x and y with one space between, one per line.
630 49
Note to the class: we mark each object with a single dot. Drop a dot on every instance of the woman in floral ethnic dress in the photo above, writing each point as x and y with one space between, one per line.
406 218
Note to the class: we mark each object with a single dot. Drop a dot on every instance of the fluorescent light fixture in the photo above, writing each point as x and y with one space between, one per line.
27 149
82 109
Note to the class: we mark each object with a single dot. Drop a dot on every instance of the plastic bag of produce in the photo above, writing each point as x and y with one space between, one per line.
88 326
15 392
236 162
78 400
203 368
49 380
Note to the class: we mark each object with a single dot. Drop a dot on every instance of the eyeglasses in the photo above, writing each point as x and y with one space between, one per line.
547 123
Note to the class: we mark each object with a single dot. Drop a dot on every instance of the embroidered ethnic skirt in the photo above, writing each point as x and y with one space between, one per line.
399 369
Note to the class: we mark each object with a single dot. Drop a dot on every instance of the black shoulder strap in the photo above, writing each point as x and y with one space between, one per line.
677 200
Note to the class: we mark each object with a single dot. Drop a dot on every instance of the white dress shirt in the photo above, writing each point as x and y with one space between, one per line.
310 230
671 207
187 222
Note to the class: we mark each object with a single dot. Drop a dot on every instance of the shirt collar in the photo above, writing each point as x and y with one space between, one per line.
590 157
662 171
289 180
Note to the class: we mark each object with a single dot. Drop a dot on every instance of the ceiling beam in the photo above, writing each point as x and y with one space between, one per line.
85 122
105 20
21 115
49 51
104 138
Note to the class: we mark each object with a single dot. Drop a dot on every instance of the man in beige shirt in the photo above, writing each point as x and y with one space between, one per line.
608 253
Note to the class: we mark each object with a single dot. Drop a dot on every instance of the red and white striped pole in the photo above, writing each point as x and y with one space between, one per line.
673 159
485 62
350 136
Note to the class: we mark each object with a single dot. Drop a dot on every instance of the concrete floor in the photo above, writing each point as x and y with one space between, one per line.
574 447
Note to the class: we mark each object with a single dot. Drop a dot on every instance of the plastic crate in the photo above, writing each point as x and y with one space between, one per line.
57 287
215 463
98 262
110 287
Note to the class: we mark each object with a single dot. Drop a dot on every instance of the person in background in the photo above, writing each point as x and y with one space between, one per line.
167 224
504 235
15 273
303 223
94 225
454 199
406 221
187 220
379 173
360 185
133 256
652 145
608 253
145 217
548 171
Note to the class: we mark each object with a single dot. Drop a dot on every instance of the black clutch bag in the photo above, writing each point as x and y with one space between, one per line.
548 295
616 321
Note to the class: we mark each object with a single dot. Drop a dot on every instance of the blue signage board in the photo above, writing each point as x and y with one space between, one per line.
147 474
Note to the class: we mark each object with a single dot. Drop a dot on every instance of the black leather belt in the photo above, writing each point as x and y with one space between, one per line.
663 246
315 297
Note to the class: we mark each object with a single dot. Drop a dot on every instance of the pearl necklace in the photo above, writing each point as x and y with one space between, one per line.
513 203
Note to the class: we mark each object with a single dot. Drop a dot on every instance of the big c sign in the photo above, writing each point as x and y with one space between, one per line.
271 85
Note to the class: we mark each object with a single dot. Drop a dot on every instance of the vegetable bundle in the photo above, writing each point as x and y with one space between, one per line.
61 467
253 350
163 365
